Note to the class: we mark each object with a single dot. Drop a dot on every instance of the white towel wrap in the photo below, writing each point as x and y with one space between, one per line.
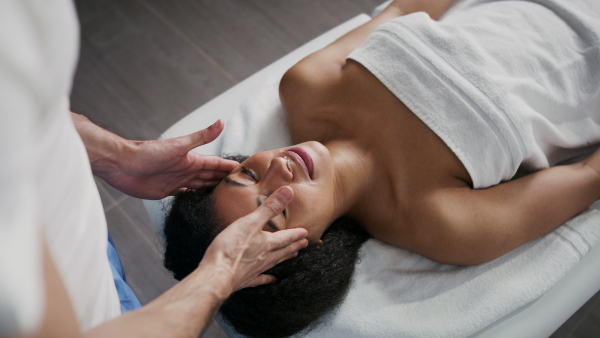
502 83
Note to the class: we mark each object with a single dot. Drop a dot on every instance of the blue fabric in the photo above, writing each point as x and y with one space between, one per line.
127 298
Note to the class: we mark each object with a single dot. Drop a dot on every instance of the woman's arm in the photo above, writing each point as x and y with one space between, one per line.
466 226
343 46
323 67
315 81
337 51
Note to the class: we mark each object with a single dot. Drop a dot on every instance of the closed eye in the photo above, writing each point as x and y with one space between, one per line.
249 173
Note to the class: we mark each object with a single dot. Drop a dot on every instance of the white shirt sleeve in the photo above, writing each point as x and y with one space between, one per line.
21 288
36 67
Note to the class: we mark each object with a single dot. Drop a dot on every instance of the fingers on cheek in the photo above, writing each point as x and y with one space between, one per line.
290 255
267 279
293 254
298 245
303 243
289 252
262 280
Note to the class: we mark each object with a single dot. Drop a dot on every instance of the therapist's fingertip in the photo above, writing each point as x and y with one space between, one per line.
179 191
264 279
216 124
286 192
231 164
299 233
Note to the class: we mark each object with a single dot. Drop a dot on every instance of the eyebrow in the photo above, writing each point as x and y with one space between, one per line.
269 223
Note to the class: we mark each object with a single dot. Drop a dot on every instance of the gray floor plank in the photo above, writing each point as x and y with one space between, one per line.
139 254
584 323
227 31
109 199
298 21
142 72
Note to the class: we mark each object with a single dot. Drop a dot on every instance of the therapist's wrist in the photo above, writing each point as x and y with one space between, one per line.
185 310
104 149
217 279
203 290
108 157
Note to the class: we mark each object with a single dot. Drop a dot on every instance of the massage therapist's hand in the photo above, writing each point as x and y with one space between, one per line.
152 169
243 251
159 168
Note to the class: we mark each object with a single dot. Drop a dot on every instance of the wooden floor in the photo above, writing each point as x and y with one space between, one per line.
145 64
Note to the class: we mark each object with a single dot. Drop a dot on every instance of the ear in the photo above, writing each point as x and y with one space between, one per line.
319 242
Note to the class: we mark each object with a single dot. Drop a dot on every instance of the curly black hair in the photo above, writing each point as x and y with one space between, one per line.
307 287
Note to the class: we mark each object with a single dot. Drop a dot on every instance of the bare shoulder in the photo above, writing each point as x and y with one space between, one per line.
309 93
308 78
425 217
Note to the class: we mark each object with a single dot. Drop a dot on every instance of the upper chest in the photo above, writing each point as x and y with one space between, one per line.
355 105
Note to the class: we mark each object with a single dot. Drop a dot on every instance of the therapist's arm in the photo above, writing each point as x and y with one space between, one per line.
152 169
235 260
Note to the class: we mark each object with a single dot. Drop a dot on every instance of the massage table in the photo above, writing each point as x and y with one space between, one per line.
539 318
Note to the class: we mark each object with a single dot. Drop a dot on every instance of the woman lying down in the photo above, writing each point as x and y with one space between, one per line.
410 130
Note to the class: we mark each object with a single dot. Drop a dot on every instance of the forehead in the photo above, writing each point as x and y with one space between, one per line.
233 202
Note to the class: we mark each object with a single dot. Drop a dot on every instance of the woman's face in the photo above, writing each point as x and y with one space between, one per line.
306 167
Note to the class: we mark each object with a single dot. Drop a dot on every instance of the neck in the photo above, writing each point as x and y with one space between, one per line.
354 174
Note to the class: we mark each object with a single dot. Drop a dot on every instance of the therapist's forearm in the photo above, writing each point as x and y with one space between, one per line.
102 146
183 311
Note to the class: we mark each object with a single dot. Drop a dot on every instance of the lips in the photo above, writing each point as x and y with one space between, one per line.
304 159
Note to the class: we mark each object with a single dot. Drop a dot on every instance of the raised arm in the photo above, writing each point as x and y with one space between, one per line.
465 226
316 80
337 51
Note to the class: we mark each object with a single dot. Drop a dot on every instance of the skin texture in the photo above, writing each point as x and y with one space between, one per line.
313 206
396 177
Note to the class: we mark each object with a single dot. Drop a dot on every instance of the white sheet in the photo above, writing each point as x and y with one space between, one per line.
396 293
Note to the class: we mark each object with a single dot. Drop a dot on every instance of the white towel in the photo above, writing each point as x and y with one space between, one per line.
503 83
396 293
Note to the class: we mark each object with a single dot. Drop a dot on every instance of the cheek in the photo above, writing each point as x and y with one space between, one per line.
312 208
315 218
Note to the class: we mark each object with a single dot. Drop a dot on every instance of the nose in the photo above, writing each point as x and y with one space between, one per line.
278 174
